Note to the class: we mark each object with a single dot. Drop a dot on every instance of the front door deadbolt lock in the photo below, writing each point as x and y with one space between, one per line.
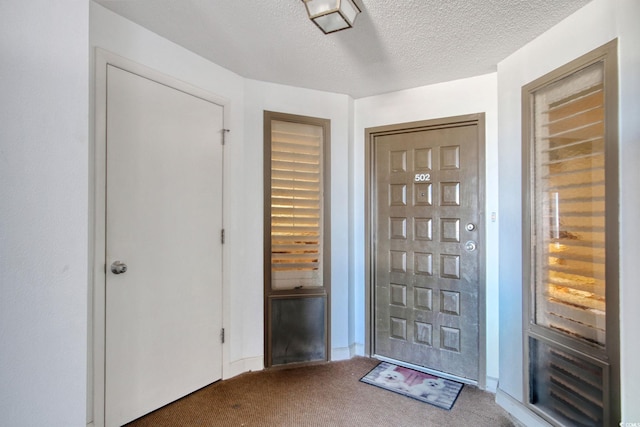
118 267
470 226
470 246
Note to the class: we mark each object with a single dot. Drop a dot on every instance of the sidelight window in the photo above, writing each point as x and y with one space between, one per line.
297 239
570 205
296 204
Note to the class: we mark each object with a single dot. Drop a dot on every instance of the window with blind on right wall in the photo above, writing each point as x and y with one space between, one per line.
570 264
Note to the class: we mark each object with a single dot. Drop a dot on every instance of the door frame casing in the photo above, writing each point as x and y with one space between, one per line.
477 119
97 222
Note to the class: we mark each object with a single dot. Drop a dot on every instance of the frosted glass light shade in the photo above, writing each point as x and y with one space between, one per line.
332 15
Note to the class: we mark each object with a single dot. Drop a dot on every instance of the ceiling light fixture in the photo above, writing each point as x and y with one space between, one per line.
332 15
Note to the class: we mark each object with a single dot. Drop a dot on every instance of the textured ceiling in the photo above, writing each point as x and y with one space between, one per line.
394 45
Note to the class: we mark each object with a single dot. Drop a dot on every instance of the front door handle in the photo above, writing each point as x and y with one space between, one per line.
118 267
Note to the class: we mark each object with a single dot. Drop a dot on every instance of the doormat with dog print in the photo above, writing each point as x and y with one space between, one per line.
418 385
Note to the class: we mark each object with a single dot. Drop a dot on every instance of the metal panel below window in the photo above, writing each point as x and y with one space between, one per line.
298 332
566 385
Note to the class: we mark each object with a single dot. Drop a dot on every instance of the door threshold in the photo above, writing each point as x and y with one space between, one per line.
426 370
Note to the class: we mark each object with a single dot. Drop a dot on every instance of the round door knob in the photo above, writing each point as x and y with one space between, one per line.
470 246
118 267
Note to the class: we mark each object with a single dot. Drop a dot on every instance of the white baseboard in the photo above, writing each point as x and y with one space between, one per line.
520 412
342 353
257 363
492 384
243 365
357 349
345 353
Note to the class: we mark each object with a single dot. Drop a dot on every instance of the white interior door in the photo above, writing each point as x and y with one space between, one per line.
163 220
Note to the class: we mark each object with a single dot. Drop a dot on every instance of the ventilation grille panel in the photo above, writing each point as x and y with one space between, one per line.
568 387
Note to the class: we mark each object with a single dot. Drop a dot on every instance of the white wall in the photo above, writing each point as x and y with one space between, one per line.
43 215
467 96
592 26
262 96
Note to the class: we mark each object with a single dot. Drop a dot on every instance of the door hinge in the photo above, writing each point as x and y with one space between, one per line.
224 135
222 236
222 335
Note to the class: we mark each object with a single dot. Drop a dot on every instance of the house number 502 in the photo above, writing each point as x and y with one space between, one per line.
423 177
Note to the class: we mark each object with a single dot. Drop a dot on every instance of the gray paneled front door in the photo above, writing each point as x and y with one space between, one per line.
427 247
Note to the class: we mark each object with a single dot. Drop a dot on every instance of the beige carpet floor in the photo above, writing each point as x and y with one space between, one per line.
322 395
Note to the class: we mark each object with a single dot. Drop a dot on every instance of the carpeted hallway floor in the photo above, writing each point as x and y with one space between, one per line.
321 395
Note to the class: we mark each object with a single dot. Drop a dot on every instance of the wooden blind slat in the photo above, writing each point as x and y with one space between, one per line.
595 287
284 184
586 156
562 173
296 194
281 165
589 97
298 211
290 147
296 205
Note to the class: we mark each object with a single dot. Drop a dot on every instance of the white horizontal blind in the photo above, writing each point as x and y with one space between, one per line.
296 205
570 205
